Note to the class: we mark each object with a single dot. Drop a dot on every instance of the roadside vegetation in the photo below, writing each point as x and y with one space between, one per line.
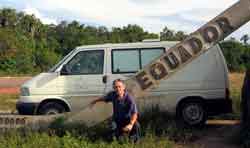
8 102
236 82
159 130
17 140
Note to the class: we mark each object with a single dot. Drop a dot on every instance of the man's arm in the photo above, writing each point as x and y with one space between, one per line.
105 98
100 99
133 118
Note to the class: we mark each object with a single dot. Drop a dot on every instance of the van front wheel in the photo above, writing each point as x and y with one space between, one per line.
192 113
51 108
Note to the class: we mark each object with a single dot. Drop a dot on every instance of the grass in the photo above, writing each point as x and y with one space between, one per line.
8 102
159 130
236 82
160 134
154 123
15 140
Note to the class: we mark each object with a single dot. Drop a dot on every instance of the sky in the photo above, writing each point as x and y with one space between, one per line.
152 15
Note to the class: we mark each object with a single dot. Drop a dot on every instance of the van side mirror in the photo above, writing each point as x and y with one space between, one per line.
64 70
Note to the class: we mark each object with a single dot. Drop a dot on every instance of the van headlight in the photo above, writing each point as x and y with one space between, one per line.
25 91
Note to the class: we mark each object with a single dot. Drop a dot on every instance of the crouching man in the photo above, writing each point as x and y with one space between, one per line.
125 112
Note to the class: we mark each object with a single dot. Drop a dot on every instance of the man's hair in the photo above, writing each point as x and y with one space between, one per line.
118 80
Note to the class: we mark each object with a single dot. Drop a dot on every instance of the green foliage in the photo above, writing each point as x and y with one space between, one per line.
45 59
170 35
27 46
162 123
236 98
8 101
24 61
74 135
236 54
31 139
8 17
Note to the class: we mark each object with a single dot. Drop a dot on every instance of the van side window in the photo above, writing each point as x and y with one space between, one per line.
125 61
148 55
132 60
86 62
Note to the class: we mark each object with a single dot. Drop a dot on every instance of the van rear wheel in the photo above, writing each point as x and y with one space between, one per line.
51 108
192 113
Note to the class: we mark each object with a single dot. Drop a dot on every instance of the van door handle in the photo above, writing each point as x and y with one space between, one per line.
104 79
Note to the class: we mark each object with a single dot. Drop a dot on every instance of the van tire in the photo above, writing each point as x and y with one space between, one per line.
51 108
192 113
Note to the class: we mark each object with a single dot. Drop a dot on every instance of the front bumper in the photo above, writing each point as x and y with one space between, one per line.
26 108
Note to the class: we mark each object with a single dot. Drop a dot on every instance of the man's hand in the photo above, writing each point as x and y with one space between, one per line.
91 104
128 127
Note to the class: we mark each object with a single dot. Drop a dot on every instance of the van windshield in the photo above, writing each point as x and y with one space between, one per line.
53 69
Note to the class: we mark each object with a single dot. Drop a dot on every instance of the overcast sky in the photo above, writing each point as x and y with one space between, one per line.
152 15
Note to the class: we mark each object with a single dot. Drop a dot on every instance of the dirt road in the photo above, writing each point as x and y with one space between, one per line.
218 136
10 85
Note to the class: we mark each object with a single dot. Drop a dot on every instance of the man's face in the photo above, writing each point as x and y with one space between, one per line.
119 87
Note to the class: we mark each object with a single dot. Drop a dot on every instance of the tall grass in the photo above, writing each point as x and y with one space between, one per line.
236 99
158 130
156 126
8 102
43 140
236 82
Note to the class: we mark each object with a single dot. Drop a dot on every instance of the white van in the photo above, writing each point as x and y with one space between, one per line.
199 89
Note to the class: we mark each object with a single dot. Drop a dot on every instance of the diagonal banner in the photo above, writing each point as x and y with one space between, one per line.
190 48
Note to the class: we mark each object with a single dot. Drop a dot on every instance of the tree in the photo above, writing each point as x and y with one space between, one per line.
29 25
167 35
115 35
27 45
233 52
180 35
8 17
132 33
103 34
170 35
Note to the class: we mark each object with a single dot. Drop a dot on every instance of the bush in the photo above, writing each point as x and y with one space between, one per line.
236 54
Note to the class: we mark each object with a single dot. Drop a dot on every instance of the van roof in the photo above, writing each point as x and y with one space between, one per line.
129 45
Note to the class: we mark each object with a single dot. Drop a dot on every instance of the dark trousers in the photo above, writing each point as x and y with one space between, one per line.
133 135
245 99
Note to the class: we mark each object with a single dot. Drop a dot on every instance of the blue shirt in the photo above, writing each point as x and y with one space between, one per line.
123 108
